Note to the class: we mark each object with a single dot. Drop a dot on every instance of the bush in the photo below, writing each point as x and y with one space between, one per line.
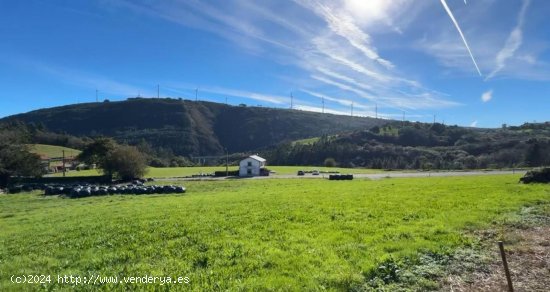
330 162
126 162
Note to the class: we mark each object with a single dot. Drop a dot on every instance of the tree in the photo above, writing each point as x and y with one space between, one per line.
533 155
15 160
97 151
125 162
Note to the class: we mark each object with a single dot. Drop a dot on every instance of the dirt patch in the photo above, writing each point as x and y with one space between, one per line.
527 245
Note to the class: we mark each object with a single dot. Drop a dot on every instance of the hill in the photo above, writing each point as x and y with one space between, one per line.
190 128
417 145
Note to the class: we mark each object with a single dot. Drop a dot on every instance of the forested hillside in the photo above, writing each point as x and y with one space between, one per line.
170 131
427 146
187 128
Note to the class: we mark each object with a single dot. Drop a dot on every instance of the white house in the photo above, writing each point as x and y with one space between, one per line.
253 165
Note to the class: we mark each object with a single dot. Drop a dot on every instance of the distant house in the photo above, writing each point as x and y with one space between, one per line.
253 165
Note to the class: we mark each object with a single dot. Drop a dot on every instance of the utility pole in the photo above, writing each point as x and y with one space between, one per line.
226 162
158 90
196 94
226 100
323 101
291 100
403 122
376 111
96 98
434 119
63 151
351 109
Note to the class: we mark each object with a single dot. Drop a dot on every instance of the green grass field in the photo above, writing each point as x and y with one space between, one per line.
284 234
164 172
294 169
53 151
189 171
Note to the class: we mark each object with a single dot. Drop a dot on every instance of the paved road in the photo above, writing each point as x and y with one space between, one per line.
387 174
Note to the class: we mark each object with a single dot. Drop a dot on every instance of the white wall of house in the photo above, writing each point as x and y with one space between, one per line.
250 167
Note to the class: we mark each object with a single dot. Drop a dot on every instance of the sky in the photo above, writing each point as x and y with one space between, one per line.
479 63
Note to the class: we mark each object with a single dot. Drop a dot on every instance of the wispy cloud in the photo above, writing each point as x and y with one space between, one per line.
513 42
487 96
473 124
326 35
344 26
494 30
450 13
81 78
186 89
345 102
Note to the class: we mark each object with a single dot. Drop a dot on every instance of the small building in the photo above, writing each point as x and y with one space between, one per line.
253 165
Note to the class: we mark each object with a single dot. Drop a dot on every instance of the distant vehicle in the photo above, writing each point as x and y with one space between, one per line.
315 172
301 172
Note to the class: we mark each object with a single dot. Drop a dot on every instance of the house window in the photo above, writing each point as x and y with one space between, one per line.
250 163
249 171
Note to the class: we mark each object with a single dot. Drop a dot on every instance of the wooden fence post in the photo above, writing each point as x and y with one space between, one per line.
505 263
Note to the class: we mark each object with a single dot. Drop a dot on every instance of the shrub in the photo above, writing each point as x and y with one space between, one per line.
126 162
330 162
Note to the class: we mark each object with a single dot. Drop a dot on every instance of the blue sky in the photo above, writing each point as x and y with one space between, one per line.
399 57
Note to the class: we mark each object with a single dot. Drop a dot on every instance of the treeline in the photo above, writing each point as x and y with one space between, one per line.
424 146
20 134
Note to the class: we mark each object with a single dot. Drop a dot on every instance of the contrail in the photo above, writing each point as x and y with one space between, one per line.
444 3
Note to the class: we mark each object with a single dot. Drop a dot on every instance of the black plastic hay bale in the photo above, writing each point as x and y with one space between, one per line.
340 177
541 175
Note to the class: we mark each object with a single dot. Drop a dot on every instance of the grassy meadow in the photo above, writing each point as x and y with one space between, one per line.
284 234
53 151
168 172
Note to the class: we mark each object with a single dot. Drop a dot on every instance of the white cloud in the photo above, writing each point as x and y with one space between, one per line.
489 27
270 98
343 25
487 96
473 124
330 41
512 44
